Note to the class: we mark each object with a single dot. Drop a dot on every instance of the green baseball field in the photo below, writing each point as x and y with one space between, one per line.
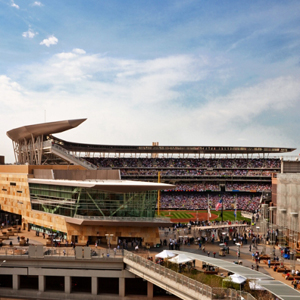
186 215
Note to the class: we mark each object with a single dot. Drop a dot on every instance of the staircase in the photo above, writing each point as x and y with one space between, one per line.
65 155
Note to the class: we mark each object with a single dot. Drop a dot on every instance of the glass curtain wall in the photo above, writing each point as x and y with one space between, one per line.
72 201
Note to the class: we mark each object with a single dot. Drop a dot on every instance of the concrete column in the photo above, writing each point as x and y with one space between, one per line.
68 284
16 281
94 285
149 290
121 286
42 283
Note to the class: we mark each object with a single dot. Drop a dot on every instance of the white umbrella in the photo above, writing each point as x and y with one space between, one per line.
180 259
165 254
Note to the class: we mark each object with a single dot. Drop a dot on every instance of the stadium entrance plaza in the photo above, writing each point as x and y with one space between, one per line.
245 254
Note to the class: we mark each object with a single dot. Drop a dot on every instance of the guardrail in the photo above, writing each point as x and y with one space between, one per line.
79 160
57 252
129 219
203 289
107 254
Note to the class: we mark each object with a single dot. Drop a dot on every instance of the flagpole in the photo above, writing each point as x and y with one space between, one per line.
235 208
222 210
208 207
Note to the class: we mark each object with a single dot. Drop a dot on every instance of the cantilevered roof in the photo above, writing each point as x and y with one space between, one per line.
80 147
26 132
119 221
116 186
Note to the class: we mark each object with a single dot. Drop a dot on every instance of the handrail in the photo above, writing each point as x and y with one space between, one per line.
203 289
138 219
79 160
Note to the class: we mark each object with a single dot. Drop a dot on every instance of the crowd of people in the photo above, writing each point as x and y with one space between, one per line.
194 195
208 186
194 200
195 172
218 163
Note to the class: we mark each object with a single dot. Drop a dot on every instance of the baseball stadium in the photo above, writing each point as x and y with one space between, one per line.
88 192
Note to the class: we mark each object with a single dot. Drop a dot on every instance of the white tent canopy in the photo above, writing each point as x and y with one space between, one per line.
165 254
236 278
180 259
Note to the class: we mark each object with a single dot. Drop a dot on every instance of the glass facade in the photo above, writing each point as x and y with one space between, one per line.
76 201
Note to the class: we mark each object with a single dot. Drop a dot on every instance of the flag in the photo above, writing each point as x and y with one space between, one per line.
209 213
219 204
234 213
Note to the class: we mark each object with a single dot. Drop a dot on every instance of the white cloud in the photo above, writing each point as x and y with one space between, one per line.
13 4
37 3
29 34
150 100
79 51
52 40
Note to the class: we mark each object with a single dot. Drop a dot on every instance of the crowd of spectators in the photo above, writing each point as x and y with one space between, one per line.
194 195
194 200
246 186
209 186
195 172
216 163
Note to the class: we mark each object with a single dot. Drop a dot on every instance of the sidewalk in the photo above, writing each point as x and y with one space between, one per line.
245 256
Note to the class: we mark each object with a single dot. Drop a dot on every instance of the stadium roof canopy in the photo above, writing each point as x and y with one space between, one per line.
29 131
47 129
117 186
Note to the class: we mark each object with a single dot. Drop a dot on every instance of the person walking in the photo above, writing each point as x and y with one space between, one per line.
269 263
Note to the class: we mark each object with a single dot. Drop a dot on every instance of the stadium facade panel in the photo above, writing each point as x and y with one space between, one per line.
81 210
201 175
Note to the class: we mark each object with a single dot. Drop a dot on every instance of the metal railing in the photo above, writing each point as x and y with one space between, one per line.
60 252
203 289
78 160
129 219
106 254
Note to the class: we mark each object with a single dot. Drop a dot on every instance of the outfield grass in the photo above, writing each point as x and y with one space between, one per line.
229 215
185 214
176 214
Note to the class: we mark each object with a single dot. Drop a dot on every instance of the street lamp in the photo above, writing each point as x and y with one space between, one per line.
224 233
238 250
17 221
51 236
3 263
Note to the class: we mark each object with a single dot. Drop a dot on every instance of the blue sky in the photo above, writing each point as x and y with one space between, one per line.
176 72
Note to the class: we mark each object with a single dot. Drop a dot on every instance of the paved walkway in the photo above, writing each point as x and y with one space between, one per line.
245 254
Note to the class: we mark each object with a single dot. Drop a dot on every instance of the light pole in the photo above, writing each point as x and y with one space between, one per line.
256 240
223 234
17 221
6 215
51 236
238 250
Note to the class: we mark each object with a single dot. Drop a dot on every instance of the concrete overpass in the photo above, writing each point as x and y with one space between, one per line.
78 274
